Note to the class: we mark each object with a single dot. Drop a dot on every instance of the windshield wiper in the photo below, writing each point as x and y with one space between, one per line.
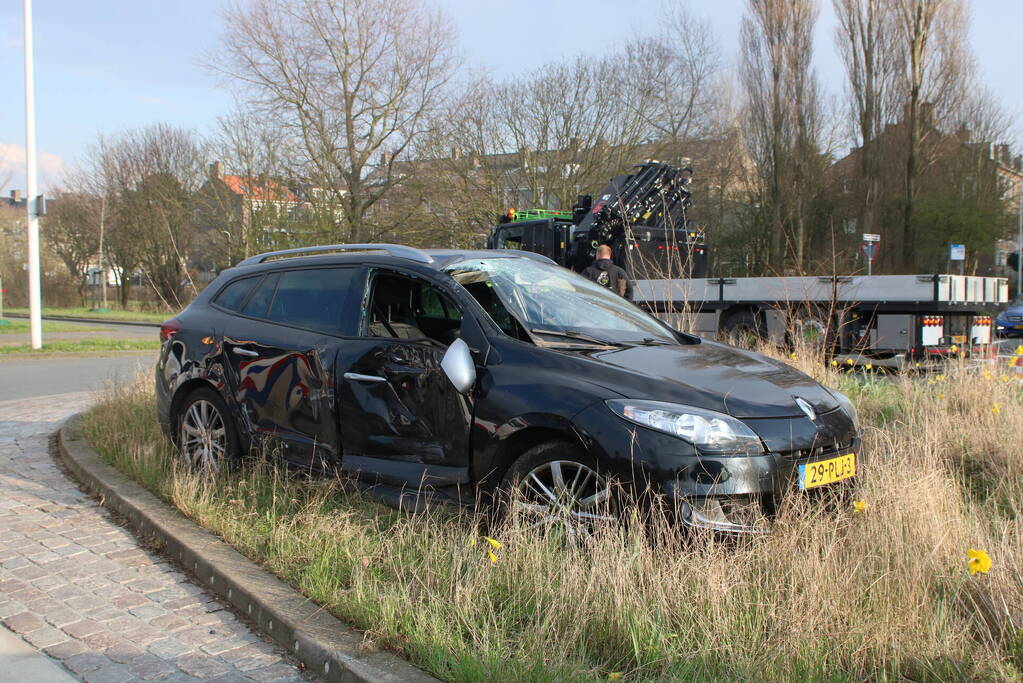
574 336
651 341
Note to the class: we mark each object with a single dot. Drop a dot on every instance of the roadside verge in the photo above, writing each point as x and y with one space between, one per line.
324 644
85 319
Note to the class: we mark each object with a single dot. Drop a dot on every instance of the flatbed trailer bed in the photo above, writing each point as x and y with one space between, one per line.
888 319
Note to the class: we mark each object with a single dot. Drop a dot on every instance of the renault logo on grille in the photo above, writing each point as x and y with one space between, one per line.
806 408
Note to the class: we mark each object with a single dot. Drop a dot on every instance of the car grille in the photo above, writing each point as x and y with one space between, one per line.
818 452
1014 318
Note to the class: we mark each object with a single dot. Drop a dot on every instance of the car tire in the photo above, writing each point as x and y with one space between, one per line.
743 330
558 485
206 437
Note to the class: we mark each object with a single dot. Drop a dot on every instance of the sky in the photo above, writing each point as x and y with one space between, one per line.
106 65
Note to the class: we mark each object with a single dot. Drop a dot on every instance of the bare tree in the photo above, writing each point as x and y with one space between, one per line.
119 245
353 81
936 63
253 149
72 228
782 118
865 39
568 129
807 160
146 179
670 76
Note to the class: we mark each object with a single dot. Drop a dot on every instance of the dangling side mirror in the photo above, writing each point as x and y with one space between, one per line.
458 365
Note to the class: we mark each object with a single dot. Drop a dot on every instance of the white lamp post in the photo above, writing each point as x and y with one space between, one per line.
31 201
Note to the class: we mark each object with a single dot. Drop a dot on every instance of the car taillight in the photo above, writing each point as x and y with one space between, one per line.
169 328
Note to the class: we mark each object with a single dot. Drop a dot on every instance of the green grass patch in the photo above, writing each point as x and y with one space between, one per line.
830 595
83 346
114 314
21 326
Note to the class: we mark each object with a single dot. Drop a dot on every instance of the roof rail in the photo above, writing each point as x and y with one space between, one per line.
392 249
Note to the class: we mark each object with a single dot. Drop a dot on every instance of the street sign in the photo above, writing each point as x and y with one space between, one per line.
871 237
957 252
870 251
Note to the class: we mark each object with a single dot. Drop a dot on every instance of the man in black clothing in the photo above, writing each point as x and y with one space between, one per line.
604 272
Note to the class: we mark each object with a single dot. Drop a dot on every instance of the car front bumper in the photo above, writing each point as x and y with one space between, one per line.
732 494
748 489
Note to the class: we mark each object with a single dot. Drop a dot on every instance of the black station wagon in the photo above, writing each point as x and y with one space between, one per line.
470 373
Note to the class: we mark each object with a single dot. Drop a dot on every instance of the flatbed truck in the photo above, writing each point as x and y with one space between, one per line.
886 320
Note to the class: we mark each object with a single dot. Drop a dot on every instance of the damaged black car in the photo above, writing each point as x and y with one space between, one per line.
470 373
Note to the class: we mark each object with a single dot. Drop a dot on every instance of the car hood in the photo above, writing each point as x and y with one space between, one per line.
708 375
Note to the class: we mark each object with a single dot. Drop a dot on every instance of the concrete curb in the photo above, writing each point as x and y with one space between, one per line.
101 321
325 645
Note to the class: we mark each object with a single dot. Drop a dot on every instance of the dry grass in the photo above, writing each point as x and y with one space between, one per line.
832 594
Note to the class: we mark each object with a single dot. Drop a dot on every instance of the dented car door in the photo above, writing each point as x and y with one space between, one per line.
282 361
397 403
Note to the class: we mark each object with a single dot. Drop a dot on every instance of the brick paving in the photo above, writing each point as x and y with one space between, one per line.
80 588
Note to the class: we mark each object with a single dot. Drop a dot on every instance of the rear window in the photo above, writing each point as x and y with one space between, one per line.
264 294
233 296
312 299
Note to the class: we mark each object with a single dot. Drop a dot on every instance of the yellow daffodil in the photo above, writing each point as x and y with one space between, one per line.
860 505
848 361
930 381
1019 350
616 676
834 363
986 374
917 364
869 366
940 378
978 562
494 545
996 408
953 348
793 355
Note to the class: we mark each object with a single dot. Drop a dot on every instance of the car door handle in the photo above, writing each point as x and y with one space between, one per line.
356 377
245 352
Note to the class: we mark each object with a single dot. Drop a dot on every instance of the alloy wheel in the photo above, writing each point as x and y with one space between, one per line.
203 442
566 495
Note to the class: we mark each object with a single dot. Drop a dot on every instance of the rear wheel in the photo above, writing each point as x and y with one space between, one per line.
207 440
809 330
557 486
743 329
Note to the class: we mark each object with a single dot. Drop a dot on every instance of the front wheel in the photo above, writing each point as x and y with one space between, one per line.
206 438
557 486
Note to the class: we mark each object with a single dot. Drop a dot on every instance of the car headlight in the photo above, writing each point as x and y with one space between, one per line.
846 405
711 432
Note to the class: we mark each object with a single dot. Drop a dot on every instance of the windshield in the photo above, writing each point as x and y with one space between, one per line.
552 302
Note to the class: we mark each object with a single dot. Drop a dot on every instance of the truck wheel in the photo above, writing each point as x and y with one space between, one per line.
743 330
558 486
810 330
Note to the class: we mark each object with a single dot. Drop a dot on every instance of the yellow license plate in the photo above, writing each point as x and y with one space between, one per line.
959 339
813 474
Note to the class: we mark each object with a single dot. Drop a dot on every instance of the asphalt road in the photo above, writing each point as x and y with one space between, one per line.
28 377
